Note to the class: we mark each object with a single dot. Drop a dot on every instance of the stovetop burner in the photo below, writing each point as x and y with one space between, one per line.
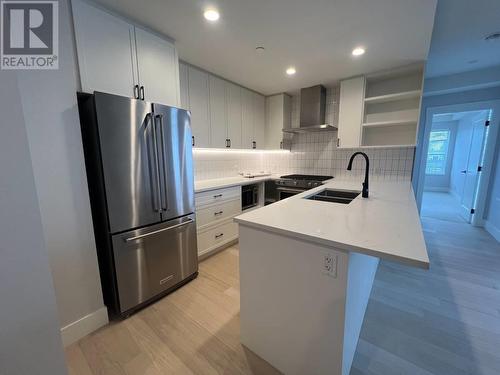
307 177
301 181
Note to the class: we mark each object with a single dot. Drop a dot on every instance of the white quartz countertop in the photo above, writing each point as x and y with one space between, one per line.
385 225
217 183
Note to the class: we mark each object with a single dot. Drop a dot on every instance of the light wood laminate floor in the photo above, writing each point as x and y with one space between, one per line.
442 321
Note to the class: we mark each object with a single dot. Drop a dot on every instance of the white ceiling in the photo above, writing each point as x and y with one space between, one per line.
458 37
316 36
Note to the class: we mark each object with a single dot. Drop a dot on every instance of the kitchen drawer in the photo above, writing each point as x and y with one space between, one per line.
218 195
217 212
215 237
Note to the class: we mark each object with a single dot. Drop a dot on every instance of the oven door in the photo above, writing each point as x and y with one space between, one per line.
285 192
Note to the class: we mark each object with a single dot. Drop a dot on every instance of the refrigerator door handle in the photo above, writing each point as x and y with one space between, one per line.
135 238
155 184
164 201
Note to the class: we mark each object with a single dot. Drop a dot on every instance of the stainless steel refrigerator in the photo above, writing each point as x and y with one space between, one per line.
138 157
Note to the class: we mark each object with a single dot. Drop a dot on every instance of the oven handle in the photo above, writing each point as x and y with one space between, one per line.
290 190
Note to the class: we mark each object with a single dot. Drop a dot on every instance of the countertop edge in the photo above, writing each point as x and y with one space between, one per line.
243 181
338 245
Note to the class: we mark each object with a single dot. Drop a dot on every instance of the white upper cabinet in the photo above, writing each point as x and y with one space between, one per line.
158 68
105 45
116 57
352 94
247 116
183 85
259 121
233 101
218 112
278 117
236 115
199 106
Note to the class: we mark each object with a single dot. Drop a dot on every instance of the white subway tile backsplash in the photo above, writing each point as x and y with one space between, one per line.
313 153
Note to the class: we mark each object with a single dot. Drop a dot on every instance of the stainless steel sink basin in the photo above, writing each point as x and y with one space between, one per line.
335 196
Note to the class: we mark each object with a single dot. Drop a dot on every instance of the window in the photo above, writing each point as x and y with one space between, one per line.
438 152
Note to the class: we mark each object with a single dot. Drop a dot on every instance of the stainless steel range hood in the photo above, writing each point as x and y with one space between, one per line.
312 111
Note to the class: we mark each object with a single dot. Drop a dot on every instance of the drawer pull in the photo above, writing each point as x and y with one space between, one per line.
218 213
219 235
217 196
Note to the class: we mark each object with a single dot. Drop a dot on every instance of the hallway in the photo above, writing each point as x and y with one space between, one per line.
442 206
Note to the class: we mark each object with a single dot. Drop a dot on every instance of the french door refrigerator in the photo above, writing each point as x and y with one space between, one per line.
139 163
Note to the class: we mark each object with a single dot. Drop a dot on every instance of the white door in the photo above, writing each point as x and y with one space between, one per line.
259 121
471 171
247 123
352 93
106 52
218 123
199 106
233 100
183 85
158 68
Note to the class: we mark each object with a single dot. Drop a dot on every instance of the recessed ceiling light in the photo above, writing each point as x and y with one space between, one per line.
358 51
211 15
291 71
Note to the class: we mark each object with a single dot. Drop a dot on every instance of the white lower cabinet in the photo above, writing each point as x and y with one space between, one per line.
215 210
215 238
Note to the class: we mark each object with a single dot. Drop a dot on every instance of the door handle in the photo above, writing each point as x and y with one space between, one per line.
218 213
157 199
464 171
217 196
164 202
135 238
141 92
136 91
219 235
192 140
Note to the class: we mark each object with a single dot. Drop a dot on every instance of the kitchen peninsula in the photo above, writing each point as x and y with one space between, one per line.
307 267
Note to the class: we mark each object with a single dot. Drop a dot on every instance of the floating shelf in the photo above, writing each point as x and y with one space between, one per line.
389 123
393 97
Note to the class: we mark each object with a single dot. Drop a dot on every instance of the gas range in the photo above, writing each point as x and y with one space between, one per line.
302 181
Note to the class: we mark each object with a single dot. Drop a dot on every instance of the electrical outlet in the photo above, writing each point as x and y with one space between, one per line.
329 266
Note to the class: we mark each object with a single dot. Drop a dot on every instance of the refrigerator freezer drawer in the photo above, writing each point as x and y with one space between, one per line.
150 260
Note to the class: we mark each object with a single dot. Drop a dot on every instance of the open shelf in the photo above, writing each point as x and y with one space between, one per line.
391 110
393 97
389 123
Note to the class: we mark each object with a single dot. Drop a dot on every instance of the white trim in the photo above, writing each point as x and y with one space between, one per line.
489 150
492 229
83 326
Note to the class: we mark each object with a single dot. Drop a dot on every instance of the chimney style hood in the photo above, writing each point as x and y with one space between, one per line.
312 111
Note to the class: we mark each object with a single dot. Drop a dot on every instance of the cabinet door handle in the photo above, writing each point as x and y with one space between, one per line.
254 145
217 196
338 142
218 213
141 91
192 141
281 145
219 235
136 91
228 143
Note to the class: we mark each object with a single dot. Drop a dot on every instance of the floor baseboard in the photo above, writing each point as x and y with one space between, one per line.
82 327
493 230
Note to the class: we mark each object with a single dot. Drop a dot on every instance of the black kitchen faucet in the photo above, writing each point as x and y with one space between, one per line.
364 194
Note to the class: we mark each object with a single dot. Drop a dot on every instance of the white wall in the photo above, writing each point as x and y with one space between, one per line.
29 330
51 113
437 182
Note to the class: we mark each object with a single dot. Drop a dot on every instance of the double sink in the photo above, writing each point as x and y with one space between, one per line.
335 196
